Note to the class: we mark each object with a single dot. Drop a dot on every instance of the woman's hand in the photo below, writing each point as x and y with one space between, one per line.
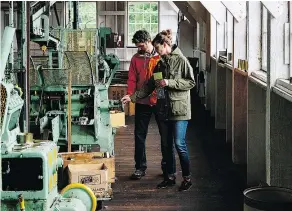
126 99
161 83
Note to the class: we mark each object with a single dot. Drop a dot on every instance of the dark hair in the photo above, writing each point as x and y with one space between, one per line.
141 36
164 36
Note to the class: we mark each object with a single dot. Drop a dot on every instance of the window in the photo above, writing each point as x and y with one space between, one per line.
213 36
229 37
202 36
87 15
6 19
264 38
142 15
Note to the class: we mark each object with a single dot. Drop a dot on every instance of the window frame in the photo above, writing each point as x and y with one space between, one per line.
264 38
91 23
213 32
229 38
129 33
6 18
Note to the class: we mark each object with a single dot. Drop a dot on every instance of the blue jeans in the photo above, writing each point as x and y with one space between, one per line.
176 134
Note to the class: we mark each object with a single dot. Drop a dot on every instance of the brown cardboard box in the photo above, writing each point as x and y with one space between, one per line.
94 176
117 118
90 158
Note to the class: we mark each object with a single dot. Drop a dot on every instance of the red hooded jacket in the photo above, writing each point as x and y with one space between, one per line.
141 69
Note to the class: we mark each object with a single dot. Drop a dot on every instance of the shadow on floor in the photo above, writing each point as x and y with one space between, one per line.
217 182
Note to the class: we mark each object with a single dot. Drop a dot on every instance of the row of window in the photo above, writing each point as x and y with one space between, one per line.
141 15
228 37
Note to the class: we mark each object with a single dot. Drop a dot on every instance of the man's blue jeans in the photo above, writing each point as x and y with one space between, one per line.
176 134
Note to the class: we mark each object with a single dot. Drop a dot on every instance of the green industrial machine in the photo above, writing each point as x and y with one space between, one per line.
67 107
29 167
85 69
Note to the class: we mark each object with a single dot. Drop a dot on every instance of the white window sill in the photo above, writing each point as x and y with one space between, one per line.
229 62
284 83
260 74
221 64
214 58
259 78
228 66
284 89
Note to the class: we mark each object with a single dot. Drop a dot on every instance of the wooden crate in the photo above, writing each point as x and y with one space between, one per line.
90 158
116 92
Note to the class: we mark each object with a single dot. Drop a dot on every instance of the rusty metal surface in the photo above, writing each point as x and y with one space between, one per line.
33 63
77 40
3 97
79 46
77 61
217 183
82 40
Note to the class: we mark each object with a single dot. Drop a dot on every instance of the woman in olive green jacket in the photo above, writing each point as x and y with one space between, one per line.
175 103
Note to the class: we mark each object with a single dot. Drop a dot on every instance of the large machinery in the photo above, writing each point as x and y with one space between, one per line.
69 111
69 104
29 167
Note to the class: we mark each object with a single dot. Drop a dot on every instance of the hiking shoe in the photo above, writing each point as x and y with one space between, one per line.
185 185
166 183
138 174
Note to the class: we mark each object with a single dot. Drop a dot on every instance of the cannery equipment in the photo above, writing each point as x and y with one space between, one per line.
69 104
66 106
29 167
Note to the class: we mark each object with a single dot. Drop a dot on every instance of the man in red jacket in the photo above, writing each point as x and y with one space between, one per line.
141 67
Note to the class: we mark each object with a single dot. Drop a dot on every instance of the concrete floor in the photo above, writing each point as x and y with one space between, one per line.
217 182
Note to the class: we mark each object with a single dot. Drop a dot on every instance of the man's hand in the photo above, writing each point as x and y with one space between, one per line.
161 83
126 99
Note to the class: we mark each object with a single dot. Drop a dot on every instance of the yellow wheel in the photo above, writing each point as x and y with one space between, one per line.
81 192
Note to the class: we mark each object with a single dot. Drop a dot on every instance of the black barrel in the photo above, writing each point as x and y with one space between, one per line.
267 198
